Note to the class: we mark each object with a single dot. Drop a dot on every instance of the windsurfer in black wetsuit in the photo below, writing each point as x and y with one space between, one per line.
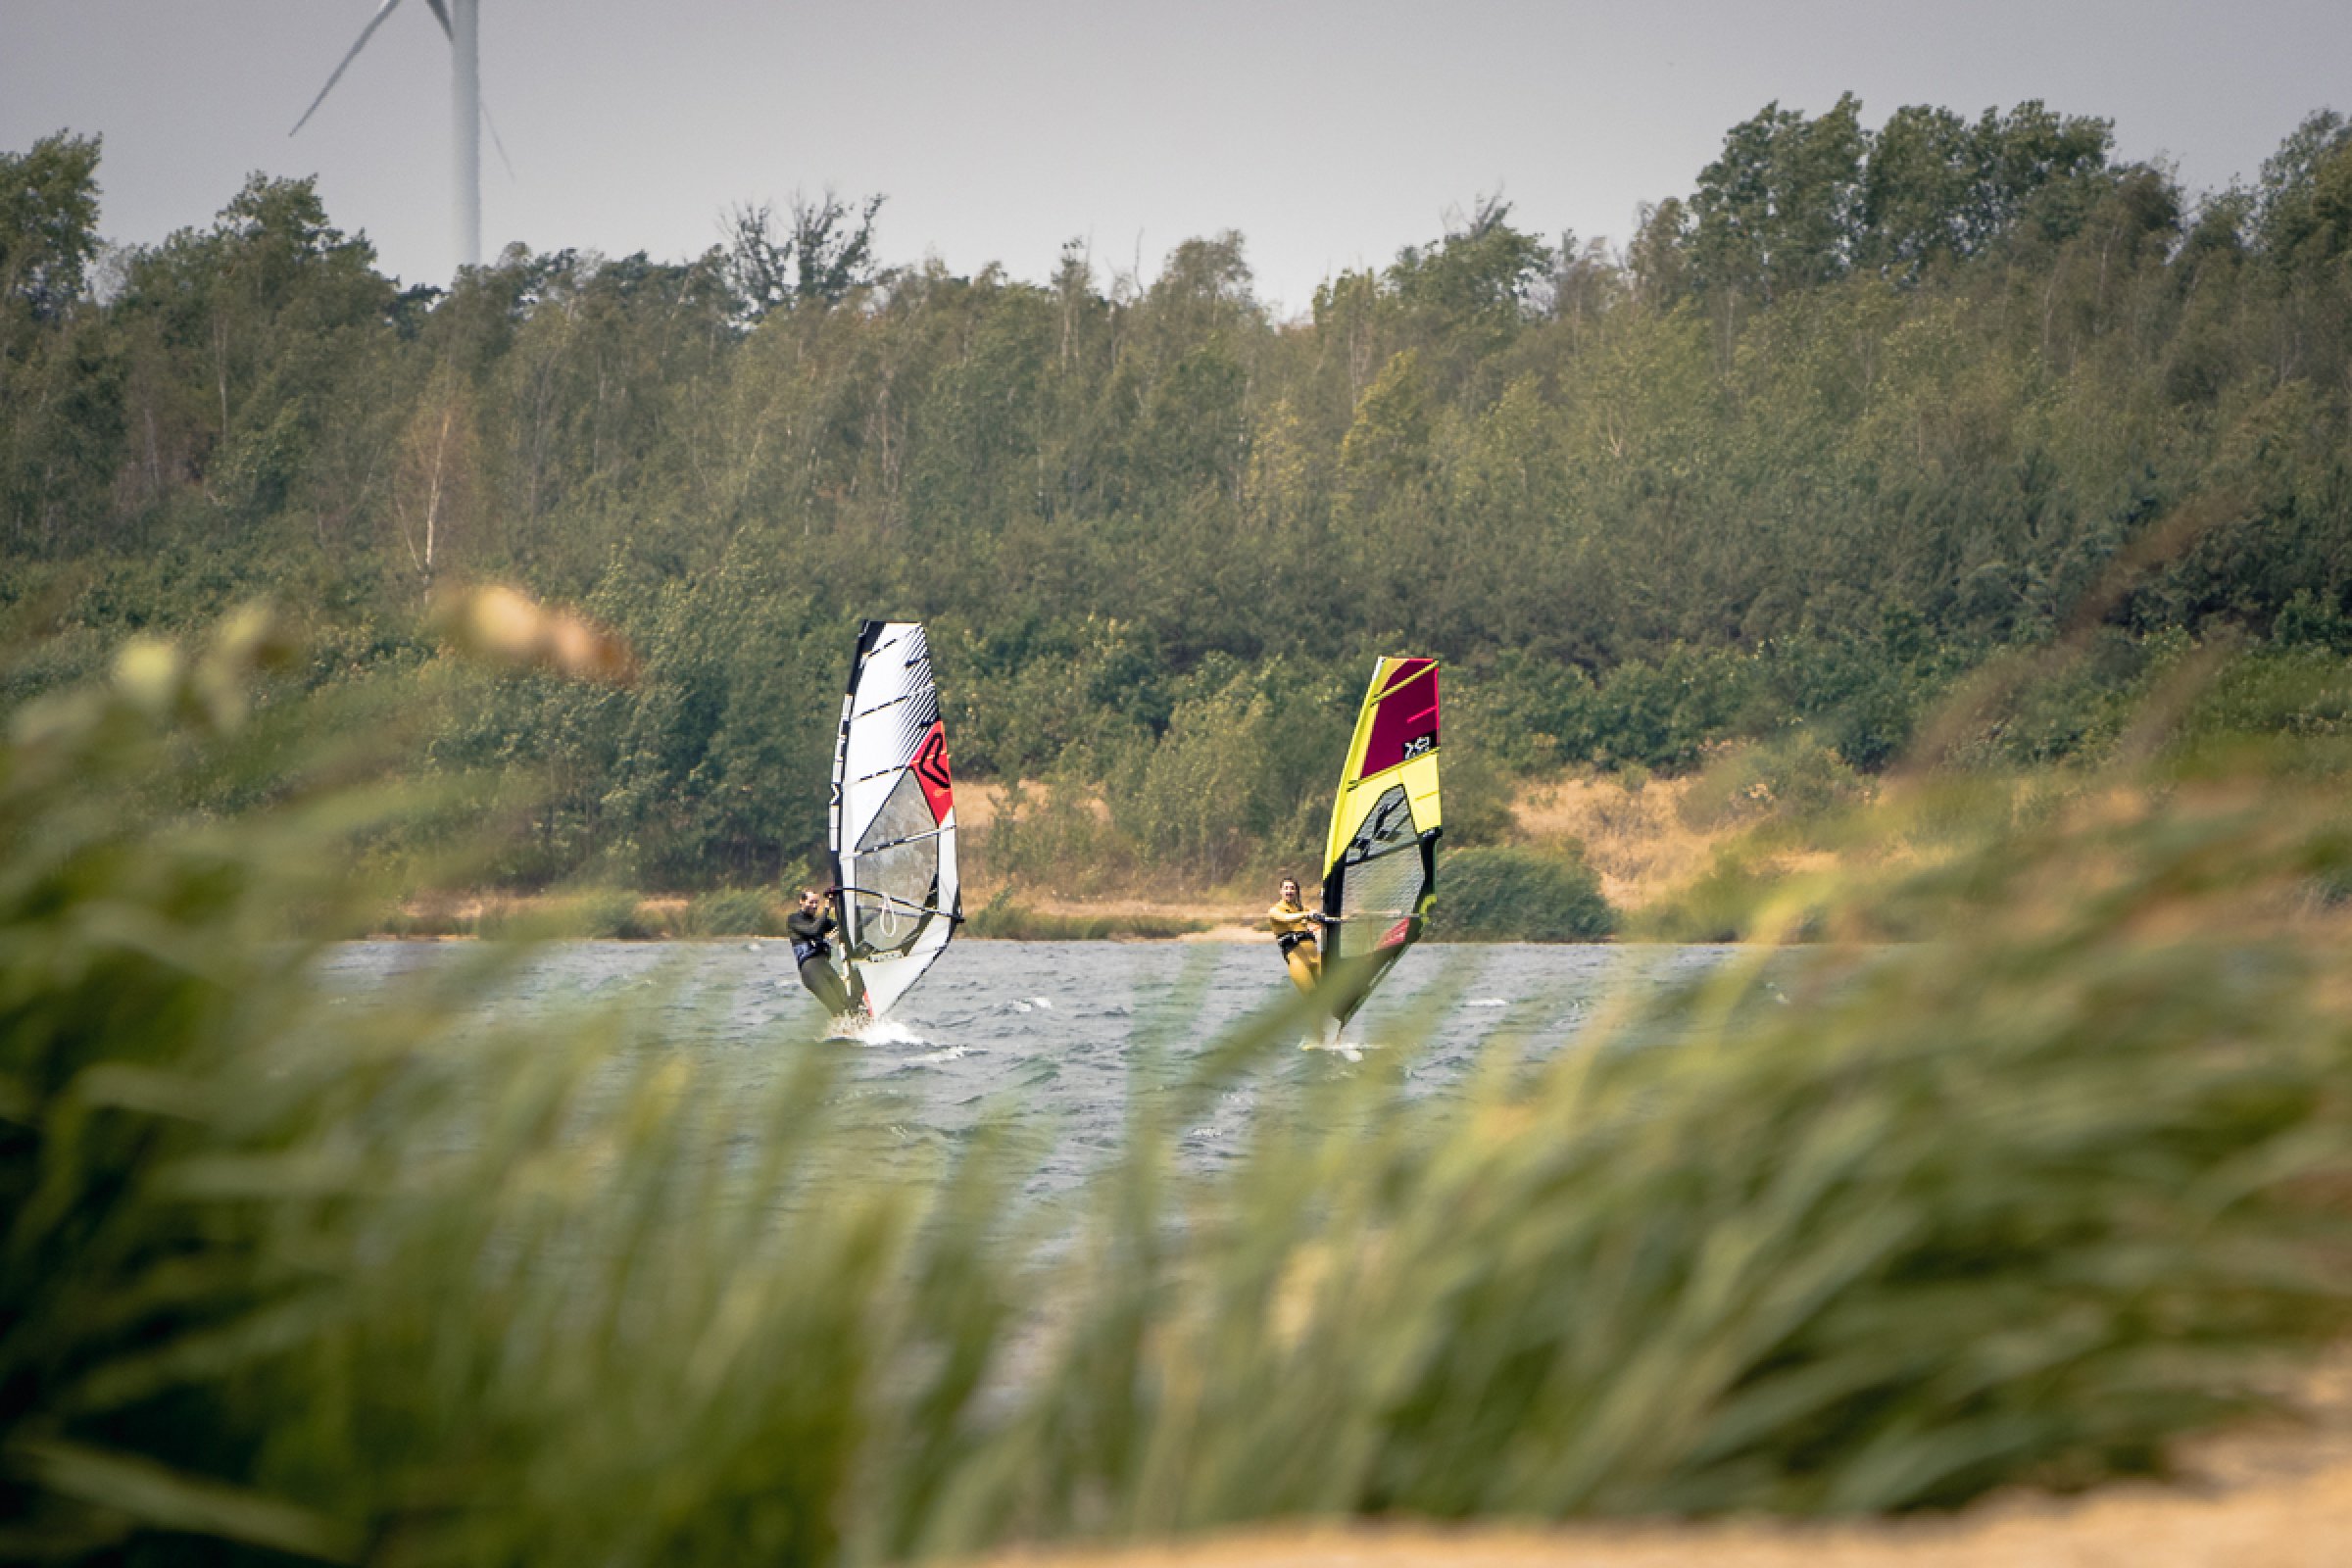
810 925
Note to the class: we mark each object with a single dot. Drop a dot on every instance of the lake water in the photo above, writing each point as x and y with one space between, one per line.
1058 1036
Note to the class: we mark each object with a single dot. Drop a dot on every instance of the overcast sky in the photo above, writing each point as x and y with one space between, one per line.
1328 133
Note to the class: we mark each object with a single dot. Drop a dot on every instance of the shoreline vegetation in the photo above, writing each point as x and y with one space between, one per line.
1636 833
611 915
1951 441
1650 860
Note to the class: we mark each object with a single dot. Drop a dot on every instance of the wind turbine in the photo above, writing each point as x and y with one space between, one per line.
460 23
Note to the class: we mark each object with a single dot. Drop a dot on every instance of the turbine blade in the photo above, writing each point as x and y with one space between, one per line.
492 126
365 33
441 10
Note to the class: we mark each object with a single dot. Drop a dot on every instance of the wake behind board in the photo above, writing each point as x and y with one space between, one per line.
892 820
1380 862
850 1030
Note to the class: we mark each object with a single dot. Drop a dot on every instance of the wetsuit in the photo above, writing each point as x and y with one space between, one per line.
1294 933
815 954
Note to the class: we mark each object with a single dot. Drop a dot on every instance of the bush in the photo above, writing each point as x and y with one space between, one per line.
1247 759
1194 801
1725 902
1003 921
1664 714
1540 711
1056 834
1477 802
1515 895
608 915
2300 691
1791 781
399 920
619 917
1865 695
733 912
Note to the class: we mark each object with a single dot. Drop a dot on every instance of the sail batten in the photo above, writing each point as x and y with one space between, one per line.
1380 860
893 817
911 838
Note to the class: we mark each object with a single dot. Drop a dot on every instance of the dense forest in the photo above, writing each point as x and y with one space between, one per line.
1859 414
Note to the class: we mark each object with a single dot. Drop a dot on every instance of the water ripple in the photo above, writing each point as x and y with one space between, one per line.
1062 1037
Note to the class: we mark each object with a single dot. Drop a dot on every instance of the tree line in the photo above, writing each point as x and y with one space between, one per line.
1859 412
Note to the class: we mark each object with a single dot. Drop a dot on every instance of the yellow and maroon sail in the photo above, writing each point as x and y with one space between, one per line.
1380 862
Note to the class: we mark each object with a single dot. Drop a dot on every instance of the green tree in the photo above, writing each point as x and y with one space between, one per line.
1779 210
1464 298
240 331
2296 202
60 370
48 227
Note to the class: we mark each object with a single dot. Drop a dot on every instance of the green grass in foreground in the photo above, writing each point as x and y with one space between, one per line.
409 1284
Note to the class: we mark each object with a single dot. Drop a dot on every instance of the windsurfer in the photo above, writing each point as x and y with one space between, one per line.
809 926
1294 926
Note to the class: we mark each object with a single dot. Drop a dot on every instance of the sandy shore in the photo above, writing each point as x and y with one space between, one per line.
1633 836
2305 1525
1227 933
1220 920
2275 1494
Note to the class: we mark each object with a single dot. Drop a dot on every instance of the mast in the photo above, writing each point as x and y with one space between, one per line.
464 18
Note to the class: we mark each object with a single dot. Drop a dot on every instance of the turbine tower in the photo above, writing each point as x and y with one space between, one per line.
460 23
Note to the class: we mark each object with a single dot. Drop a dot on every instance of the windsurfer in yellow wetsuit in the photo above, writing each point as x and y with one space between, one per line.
1294 926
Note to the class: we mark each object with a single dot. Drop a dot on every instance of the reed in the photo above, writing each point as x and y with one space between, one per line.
1854 1227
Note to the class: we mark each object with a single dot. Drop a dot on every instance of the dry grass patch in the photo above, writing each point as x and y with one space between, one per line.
1632 828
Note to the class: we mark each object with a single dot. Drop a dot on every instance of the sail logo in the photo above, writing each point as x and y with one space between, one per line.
930 766
1389 826
1420 746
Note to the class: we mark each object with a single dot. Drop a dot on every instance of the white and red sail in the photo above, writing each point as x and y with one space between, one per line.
893 817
